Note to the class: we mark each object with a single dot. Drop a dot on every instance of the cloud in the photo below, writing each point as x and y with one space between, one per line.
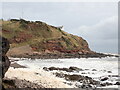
102 36
87 19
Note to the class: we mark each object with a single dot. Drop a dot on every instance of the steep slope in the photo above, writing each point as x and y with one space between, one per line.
42 37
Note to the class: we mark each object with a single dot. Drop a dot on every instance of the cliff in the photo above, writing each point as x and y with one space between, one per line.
41 37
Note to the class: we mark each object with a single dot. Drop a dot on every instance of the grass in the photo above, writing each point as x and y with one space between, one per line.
41 32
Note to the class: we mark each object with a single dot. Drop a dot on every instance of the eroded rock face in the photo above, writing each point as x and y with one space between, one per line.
5 65
4 61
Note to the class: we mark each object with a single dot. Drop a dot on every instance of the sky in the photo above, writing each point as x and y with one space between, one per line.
96 22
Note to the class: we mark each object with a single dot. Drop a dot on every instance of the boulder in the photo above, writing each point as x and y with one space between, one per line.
75 69
104 79
5 45
117 83
5 65
4 61
73 77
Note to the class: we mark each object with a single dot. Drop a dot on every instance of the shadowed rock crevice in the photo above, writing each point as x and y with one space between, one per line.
4 61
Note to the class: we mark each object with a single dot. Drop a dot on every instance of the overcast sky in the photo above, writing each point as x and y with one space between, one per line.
96 22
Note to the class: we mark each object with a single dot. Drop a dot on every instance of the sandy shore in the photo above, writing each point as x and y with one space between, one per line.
41 73
39 77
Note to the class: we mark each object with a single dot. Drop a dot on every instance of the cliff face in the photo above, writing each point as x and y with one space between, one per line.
42 37
4 63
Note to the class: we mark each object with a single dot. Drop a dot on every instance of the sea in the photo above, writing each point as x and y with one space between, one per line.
96 68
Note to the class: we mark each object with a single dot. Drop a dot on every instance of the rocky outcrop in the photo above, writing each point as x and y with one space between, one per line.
5 63
73 77
70 69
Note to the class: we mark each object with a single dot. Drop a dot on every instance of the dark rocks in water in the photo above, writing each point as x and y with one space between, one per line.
82 79
54 68
61 75
104 79
71 69
69 77
117 83
109 71
72 77
115 75
106 84
103 84
85 81
45 68
75 69
94 70
62 69
83 73
66 69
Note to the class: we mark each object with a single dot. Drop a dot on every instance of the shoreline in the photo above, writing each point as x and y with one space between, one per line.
53 77
64 56
39 77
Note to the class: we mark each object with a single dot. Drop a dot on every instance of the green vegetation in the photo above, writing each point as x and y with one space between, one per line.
40 35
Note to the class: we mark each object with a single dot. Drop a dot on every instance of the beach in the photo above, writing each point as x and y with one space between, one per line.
40 77
67 73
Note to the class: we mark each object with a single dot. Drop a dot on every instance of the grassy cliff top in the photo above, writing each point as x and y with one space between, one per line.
41 36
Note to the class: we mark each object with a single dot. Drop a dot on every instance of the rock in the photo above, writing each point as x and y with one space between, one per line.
85 80
103 84
56 68
66 69
16 84
16 65
75 69
61 75
45 68
83 86
109 71
94 70
115 75
5 63
88 77
53 68
5 45
86 69
117 83
70 69
9 83
83 73
72 77
106 84
104 79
